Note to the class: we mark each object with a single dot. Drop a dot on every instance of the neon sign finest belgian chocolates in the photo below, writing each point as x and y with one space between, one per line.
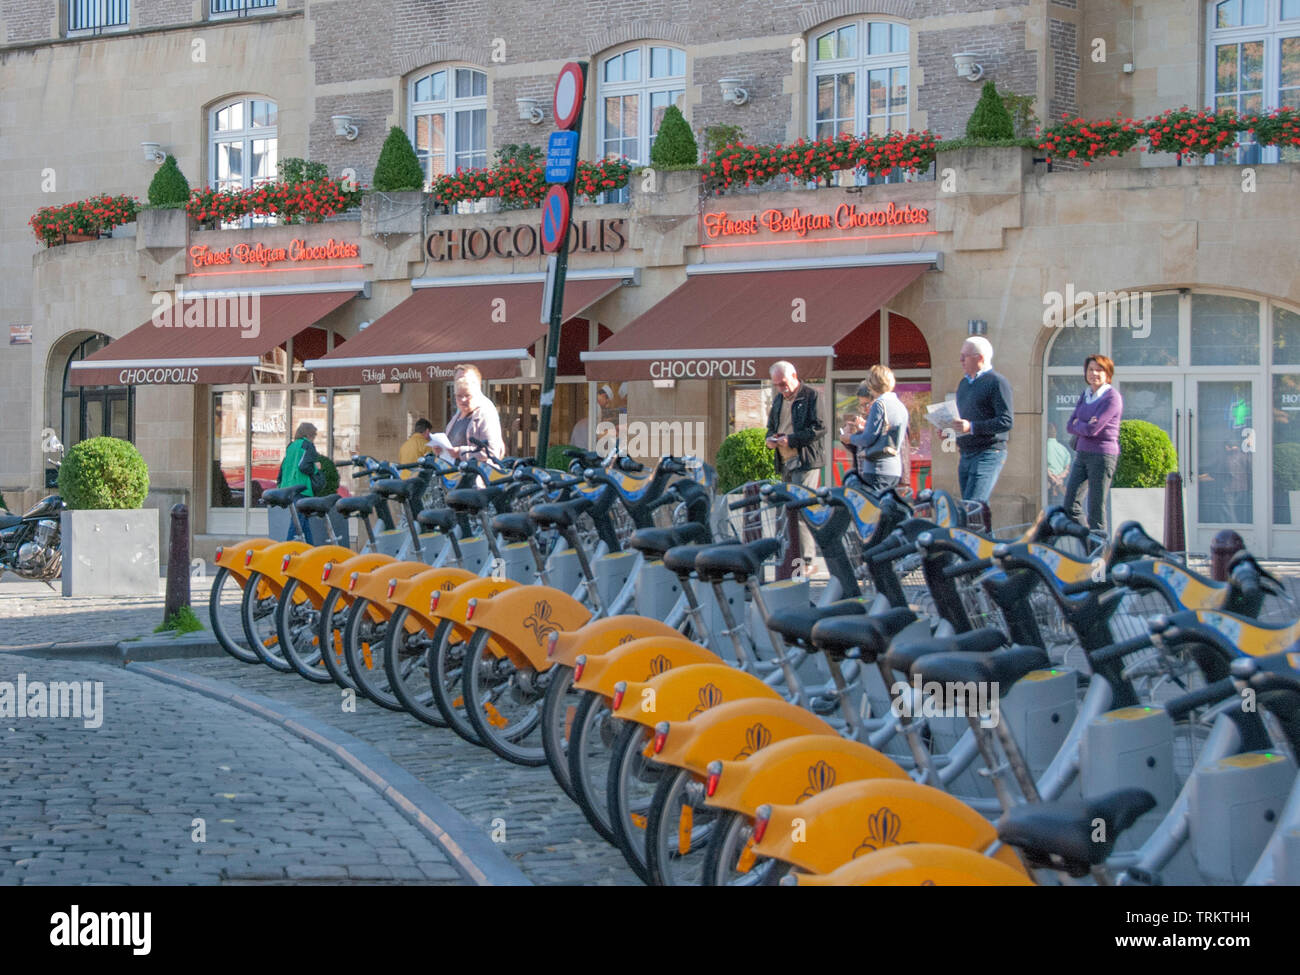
846 216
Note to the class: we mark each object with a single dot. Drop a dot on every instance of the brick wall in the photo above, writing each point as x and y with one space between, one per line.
1063 38
371 111
163 13
27 20
949 100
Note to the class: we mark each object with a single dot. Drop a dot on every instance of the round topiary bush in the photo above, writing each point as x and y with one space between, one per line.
331 473
103 472
169 187
744 457
1146 455
555 459
398 168
675 143
990 120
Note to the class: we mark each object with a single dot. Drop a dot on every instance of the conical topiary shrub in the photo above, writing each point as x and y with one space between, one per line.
169 187
675 143
398 168
990 121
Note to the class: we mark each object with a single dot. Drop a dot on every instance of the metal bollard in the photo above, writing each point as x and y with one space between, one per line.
1175 532
178 563
1226 544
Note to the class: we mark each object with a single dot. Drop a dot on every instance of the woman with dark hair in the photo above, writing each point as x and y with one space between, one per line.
300 460
1094 424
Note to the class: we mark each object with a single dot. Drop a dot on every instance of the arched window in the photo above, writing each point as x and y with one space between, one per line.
95 411
447 121
859 79
1253 64
242 143
634 89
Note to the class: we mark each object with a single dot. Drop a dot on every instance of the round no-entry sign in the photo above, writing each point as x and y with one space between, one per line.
568 95
555 219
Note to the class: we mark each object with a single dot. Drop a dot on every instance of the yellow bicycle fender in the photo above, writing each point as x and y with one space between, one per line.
641 660
920 865
1250 636
373 586
414 592
524 618
685 692
453 605
1065 567
340 573
601 636
795 770
307 567
852 820
270 561
735 731
234 556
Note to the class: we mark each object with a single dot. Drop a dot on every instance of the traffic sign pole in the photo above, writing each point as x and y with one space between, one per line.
569 97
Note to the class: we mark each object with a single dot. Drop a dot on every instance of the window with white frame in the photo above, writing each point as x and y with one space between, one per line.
90 17
859 79
242 145
634 89
448 120
1253 65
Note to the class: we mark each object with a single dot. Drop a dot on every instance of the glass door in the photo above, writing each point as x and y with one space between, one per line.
1218 458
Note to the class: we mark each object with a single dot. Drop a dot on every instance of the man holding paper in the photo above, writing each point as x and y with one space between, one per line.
983 420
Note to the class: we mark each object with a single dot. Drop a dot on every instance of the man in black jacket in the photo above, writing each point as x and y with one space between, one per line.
795 431
984 403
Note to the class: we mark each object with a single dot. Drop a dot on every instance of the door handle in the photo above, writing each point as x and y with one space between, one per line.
1178 439
1191 442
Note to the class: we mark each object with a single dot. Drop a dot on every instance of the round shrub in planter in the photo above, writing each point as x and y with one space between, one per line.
555 459
1146 455
744 457
103 472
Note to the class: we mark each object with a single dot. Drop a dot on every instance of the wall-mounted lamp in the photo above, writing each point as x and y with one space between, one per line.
530 110
345 126
732 93
977 326
966 66
153 152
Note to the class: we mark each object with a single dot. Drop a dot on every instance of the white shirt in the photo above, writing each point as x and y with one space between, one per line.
1091 397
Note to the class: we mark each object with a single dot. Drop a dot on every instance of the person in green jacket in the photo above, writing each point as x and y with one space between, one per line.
300 459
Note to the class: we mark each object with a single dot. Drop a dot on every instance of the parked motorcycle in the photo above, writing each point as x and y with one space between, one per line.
31 545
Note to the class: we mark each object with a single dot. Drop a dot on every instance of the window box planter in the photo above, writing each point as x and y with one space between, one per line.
392 213
111 552
164 229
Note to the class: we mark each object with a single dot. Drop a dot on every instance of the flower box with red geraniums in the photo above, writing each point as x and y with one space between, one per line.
749 165
1190 133
1280 127
309 201
1085 141
521 185
83 219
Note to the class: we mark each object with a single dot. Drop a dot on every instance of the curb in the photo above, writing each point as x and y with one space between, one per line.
468 848
122 652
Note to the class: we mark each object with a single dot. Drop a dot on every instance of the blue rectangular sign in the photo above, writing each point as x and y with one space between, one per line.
561 157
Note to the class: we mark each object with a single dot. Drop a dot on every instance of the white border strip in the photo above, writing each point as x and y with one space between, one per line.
239 360
630 354
933 258
412 360
630 275
281 289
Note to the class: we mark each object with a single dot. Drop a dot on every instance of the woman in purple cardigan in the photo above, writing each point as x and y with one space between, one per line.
1095 422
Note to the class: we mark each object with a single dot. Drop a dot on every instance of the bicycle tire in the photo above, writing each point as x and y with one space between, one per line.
630 771
446 666
732 834
362 642
559 712
258 612
489 680
405 661
221 623
333 619
665 861
590 746
293 621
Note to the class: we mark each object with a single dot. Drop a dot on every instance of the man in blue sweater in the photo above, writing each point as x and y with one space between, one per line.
984 402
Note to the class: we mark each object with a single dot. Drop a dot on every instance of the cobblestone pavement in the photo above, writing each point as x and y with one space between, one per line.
117 803
33 614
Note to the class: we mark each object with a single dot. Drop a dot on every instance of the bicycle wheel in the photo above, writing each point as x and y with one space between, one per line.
446 666
225 610
297 624
679 831
728 861
503 703
333 618
405 663
362 640
257 609
591 743
632 782
559 711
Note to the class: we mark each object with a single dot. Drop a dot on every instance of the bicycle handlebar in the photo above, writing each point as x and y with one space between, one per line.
797 503
1062 524
1220 690
1121 649
967 567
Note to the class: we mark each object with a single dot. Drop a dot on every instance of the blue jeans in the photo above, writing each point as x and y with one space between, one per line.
978 472
306 530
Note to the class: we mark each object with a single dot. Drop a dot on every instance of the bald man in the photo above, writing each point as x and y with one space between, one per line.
795 431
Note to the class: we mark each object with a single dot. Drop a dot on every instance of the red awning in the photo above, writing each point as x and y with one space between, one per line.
205 340
735 324
492 326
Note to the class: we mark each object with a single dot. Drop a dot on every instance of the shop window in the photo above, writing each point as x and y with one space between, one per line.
634 89
860 349
447 121
907 346
95 411
243 147
1253 65
1225 331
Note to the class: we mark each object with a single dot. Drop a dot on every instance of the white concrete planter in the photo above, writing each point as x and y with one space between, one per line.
1144 505
110 553
167 229
392 213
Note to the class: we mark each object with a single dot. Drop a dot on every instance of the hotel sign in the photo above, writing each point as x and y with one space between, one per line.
846 221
